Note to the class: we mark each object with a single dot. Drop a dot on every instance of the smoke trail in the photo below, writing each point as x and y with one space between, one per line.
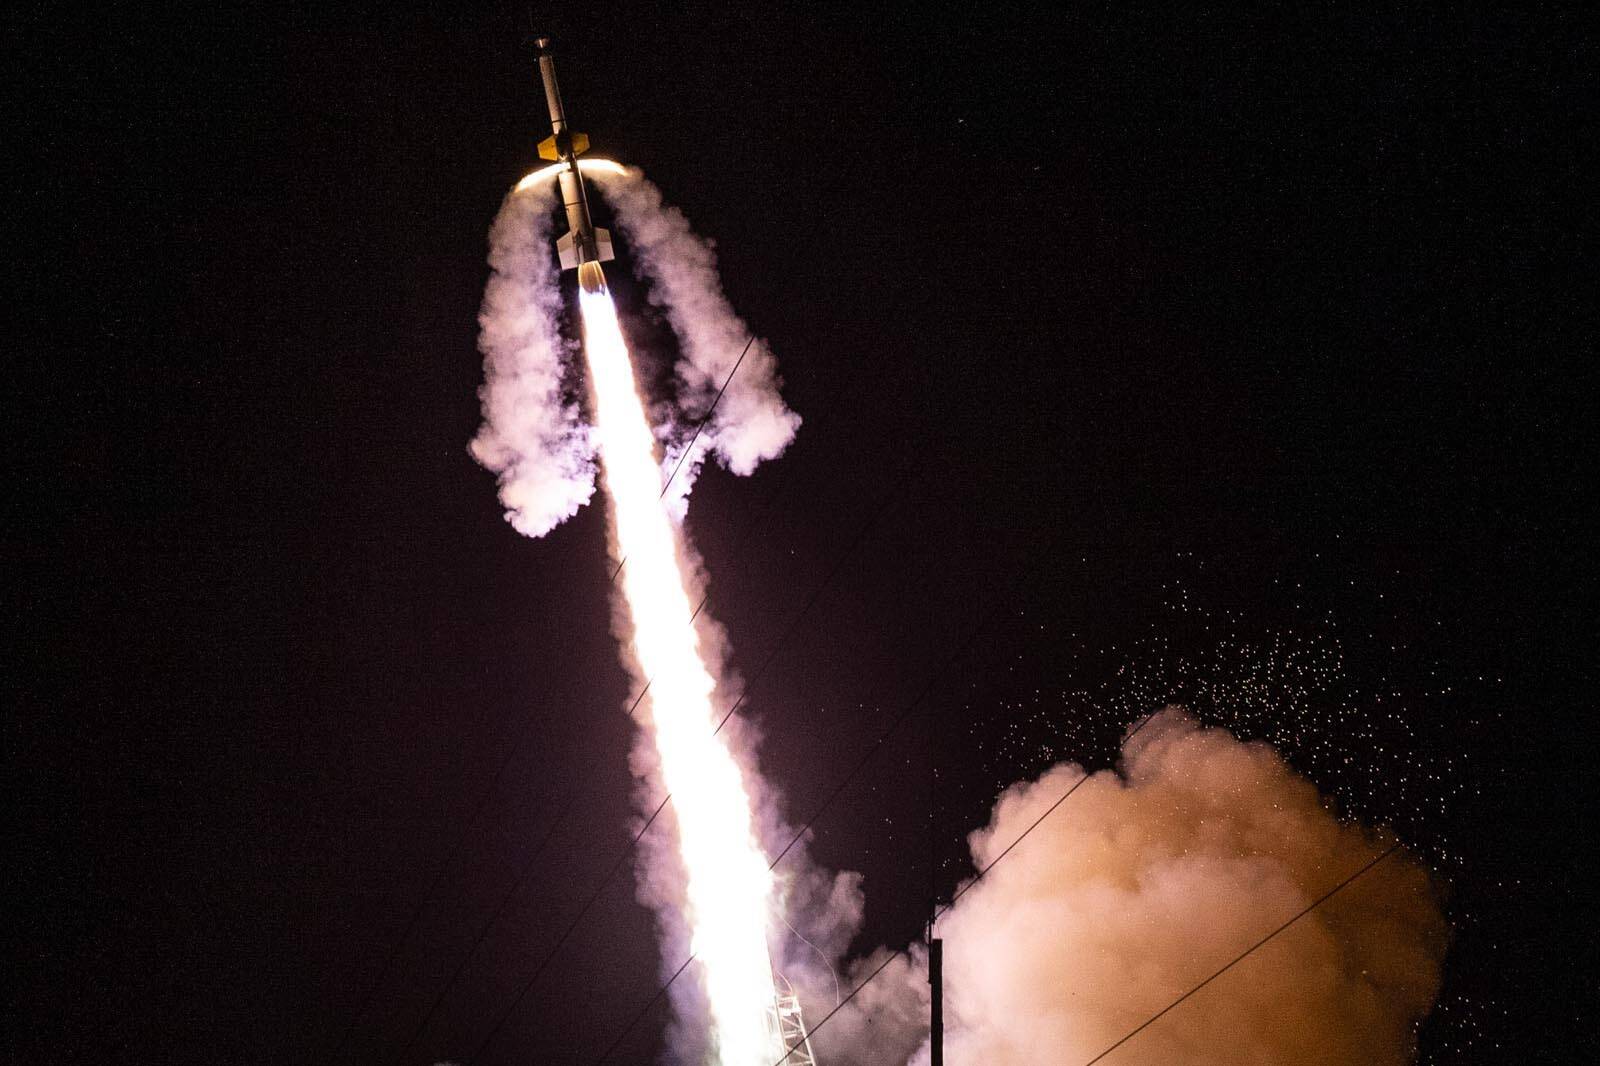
751 423
702 867
1155 875
725 889
531 435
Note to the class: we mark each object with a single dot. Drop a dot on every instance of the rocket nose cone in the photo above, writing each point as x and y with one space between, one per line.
590 277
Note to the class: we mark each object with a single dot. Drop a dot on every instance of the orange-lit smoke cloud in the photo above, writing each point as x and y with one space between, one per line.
1148 880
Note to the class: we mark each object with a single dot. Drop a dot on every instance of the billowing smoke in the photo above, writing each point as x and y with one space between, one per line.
1147 881
532 435
751 423
701 866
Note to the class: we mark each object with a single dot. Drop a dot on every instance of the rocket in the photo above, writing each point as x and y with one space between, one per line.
584 246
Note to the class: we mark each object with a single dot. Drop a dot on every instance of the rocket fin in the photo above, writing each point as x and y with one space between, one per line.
567 248
550 148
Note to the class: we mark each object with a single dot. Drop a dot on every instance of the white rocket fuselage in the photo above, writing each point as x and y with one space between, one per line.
584 246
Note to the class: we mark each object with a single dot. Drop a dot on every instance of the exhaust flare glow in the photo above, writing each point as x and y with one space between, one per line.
599 166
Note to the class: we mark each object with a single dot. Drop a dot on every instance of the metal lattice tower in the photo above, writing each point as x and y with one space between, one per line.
790 1028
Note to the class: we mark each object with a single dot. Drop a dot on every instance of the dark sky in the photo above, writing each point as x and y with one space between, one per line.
1086 315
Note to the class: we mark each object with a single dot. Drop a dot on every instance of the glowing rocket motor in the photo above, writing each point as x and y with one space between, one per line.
584 246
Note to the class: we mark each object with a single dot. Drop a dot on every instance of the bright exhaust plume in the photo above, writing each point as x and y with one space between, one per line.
728 887
701 866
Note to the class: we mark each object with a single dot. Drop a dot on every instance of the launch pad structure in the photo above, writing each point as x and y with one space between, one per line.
790 1028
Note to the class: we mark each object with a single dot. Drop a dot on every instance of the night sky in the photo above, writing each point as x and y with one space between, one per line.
1151 350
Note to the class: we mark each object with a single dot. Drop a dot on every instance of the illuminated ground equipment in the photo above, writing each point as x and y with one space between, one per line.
790 1027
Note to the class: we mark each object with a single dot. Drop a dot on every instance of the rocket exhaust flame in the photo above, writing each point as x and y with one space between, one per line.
591 277
729 889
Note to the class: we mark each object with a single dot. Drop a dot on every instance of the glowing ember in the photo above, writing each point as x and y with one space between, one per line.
729 887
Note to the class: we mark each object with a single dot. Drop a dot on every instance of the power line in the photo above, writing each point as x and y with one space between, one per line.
562 939
1036 823
840 787
645 1009
901 484
765 508
904 714
771 656
816 594
882 966
516 884
1335 890
661 991
811 600
433 887
704 599
698 427
707 417
841 388
933 678
1319 901
828 408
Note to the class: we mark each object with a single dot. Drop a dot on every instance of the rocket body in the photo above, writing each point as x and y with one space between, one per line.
584 246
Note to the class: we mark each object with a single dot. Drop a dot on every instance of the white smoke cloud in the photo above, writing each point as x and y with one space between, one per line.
751 423
660 878
1151 878
532 435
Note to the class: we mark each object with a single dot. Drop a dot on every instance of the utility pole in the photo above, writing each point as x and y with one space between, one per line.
935 944
935 999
